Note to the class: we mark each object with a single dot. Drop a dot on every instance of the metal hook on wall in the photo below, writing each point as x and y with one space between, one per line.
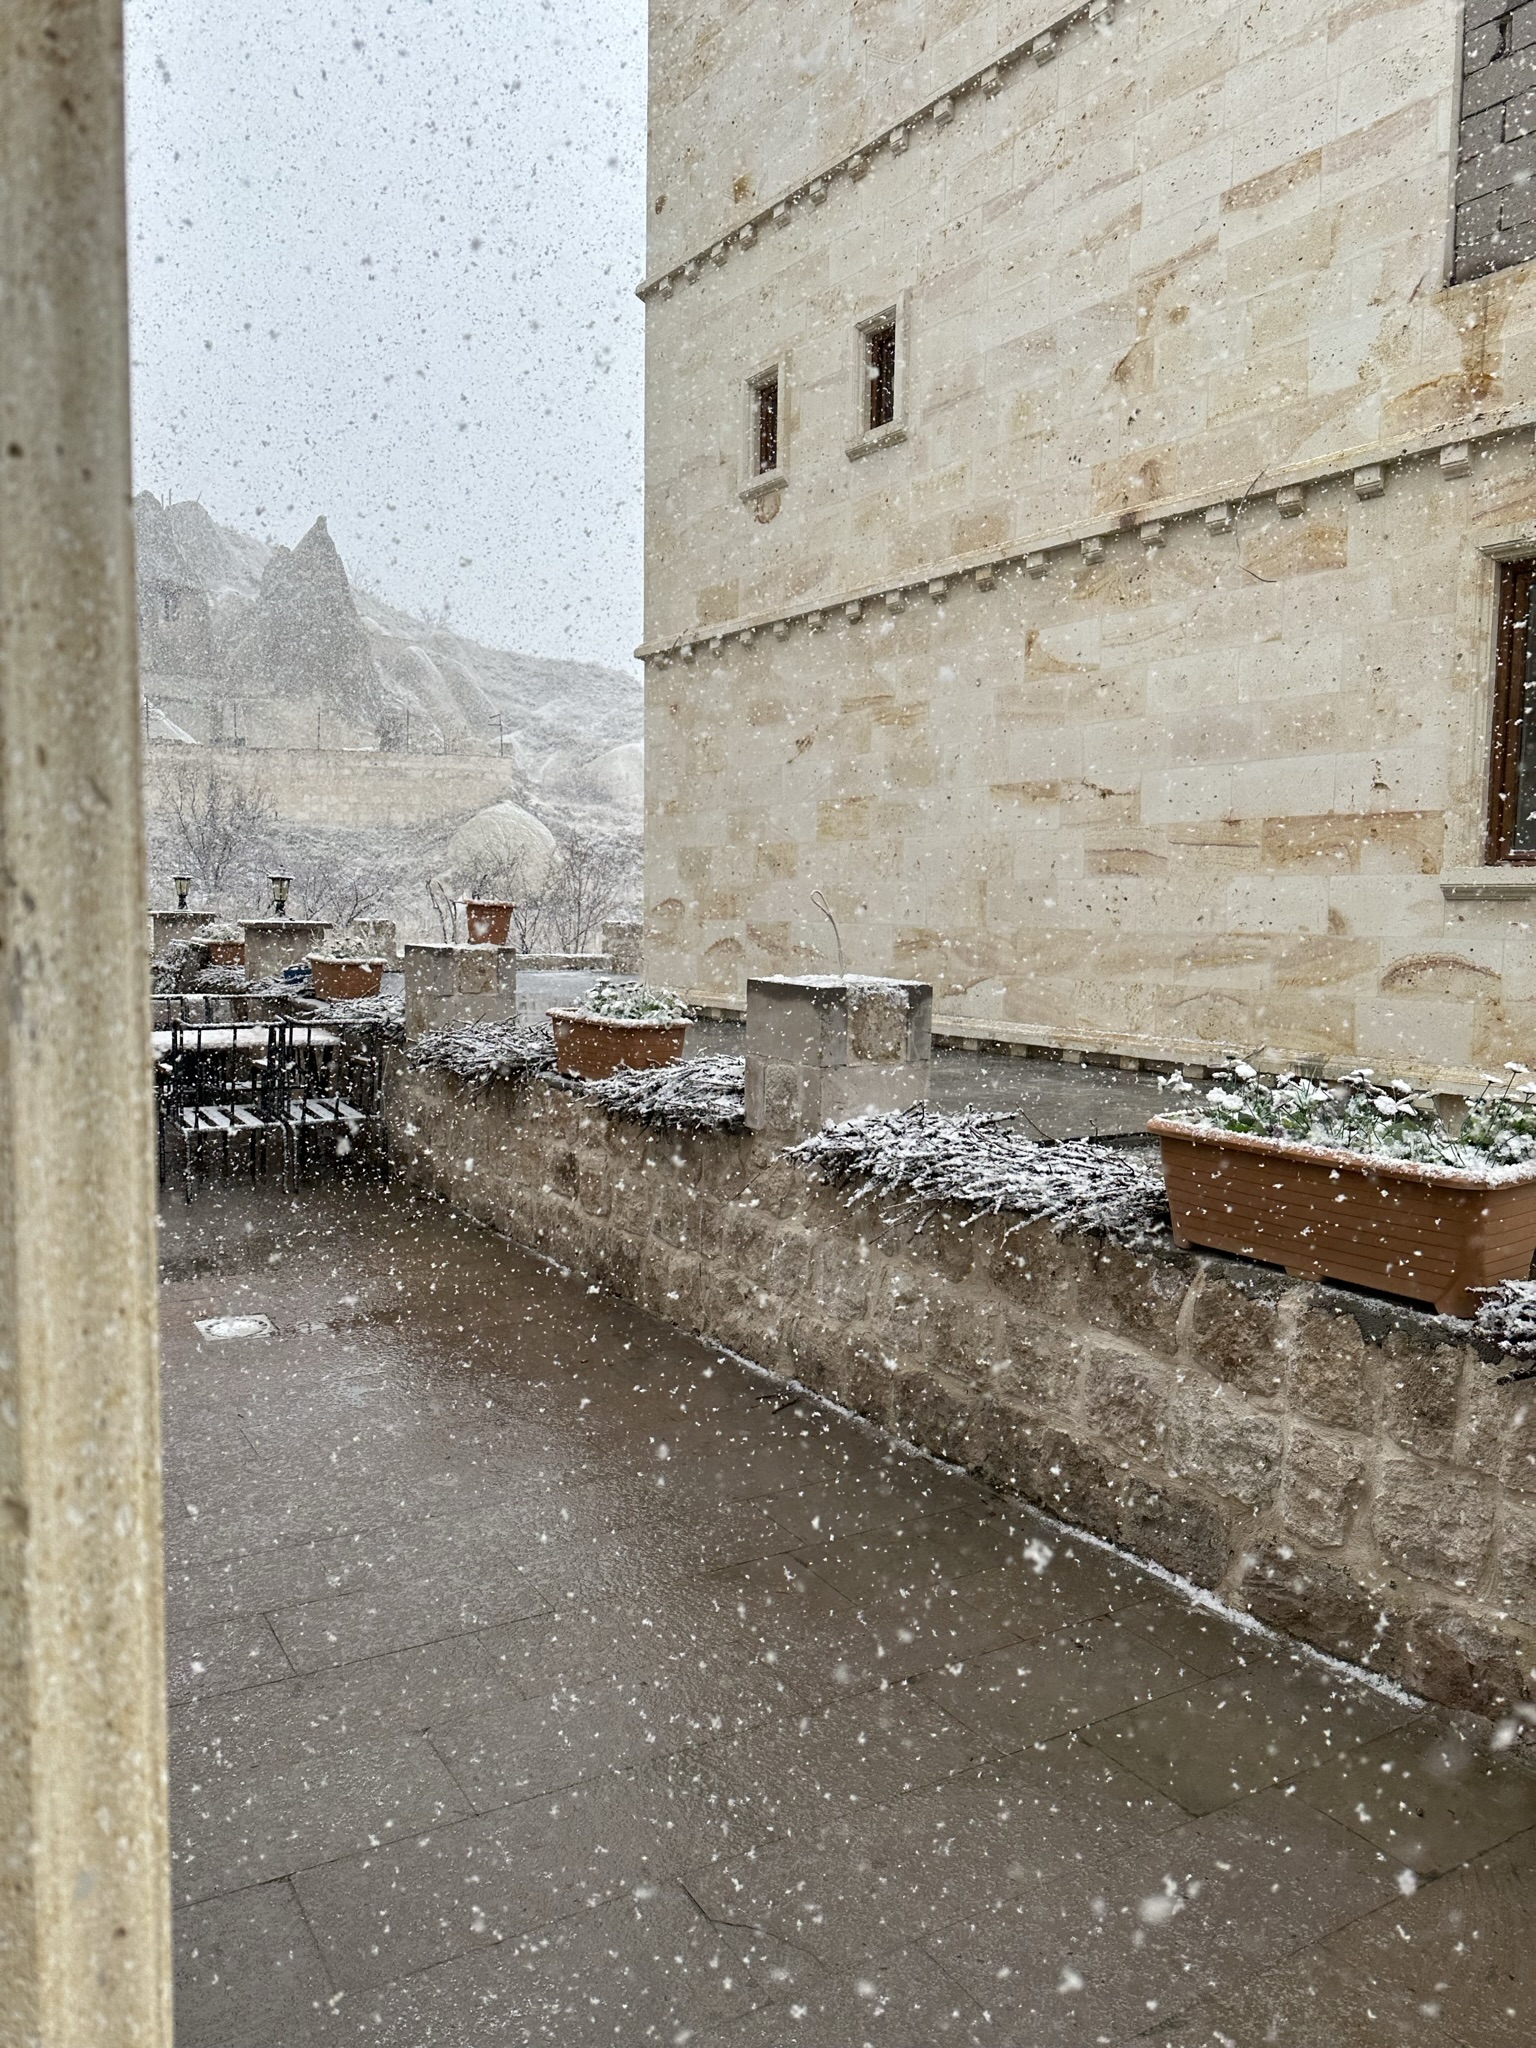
825 908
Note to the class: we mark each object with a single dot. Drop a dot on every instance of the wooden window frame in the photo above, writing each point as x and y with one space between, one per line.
1517 586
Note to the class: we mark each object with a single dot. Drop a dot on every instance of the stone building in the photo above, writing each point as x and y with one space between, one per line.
1091 505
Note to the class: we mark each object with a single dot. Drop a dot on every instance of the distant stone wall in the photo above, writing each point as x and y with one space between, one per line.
1350 1472
343 787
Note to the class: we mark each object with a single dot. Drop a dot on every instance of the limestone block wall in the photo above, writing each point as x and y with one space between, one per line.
1182 256
1206 793
1351 1473
1139 696
347 786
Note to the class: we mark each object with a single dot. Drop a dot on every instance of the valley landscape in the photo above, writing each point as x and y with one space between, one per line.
297 724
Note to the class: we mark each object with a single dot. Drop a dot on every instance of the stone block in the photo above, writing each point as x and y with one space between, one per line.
1137 1294
1234 1328
450 985
1321 1603
1034 1268
166 925
273 943
840 1278
821 1049
934 1413
1420 1391
1221 1440
1330 1367
969 1339
867 1379
1070 1479
1176 1527
813 1354
623 941
1468 1661
1323 1485
672 1216
1124 1402
1514 1571
1007 1443
1035 1366
1434 1523
1498 1428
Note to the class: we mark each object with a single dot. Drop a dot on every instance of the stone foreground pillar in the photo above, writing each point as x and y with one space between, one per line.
449 985
822 1048
84 1886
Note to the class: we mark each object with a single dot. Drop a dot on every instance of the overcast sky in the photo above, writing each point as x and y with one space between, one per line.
383 267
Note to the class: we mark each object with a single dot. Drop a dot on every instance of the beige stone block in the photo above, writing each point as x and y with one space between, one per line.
1435 1524
1323 1487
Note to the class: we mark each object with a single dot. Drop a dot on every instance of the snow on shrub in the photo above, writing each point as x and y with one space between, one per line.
496 1050
1361 1114
349 944
634 1002
982 1161
1507 1317
385 1014
689 1095
220 932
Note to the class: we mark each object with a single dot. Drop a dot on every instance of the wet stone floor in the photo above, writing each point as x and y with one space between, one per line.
538 1675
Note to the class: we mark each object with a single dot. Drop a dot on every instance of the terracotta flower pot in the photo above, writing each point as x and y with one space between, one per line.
226 952
489 923
341 981
1429 1233
595 1047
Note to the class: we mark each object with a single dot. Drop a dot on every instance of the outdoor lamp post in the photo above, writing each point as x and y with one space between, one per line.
279 887
182 884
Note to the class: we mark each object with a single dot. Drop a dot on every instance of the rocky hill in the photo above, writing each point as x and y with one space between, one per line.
297 724
274 648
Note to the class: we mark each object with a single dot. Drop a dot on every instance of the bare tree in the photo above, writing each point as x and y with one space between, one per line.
339 883
590 880
219 823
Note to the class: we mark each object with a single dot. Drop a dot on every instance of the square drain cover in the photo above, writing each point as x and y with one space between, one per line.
236 1326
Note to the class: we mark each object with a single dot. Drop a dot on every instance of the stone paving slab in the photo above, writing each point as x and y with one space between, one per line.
541 1676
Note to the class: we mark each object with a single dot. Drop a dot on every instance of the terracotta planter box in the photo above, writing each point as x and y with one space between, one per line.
489 924
340 981
1429 1233
226 952
595 1047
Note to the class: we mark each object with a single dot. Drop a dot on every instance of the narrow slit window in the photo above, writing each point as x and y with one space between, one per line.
1512 802
765 425
880 373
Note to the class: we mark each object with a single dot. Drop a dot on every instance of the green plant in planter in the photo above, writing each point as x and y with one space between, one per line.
220 932
350 944
1358 1113
635 1002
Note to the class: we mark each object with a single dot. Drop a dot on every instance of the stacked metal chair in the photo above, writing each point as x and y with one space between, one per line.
223 1089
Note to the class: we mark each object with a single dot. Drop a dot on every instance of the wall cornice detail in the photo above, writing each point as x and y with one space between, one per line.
928 118
1283 493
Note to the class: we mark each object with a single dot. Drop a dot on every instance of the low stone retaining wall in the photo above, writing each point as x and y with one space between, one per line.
1350 1472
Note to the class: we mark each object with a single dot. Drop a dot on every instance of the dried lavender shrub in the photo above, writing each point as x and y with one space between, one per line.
493 1051
688 1095
982 1161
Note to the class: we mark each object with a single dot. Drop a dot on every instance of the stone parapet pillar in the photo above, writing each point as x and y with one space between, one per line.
166 925
624 943
273 943
821 1049
84 1866
448 985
